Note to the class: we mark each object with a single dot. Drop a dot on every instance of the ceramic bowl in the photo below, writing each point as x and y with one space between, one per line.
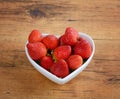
56 79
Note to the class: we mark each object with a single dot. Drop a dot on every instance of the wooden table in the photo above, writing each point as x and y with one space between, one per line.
98 18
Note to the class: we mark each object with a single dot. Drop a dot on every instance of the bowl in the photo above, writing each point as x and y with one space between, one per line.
72 75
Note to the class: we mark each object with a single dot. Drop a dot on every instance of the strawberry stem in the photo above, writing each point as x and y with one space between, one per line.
54 59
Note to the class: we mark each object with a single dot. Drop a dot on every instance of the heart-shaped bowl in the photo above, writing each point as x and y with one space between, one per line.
64 80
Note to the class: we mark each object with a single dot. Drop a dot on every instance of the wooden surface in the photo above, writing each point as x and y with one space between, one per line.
98 18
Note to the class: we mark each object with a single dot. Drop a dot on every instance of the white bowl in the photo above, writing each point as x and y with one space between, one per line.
56 79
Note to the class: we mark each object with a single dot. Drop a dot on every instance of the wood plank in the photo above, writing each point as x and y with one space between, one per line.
98 18
105 49
93 18
88 82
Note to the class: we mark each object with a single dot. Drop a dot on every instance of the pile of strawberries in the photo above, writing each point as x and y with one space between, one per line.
60 55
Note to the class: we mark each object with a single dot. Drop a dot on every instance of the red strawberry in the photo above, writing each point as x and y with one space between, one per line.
62 52
72 31
60 68
70 37
83 48
50 41
74 61
46 62
35 36
61 41
36 50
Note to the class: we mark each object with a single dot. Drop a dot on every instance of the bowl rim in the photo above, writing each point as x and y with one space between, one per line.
71 75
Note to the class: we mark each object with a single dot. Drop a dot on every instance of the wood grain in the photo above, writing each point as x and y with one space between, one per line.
98 18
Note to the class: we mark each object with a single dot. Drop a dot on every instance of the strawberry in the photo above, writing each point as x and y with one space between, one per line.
83 48
70 37
50 41
36 50
74 61
72 31
46 62
61 40
62 52
60 68
35 36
